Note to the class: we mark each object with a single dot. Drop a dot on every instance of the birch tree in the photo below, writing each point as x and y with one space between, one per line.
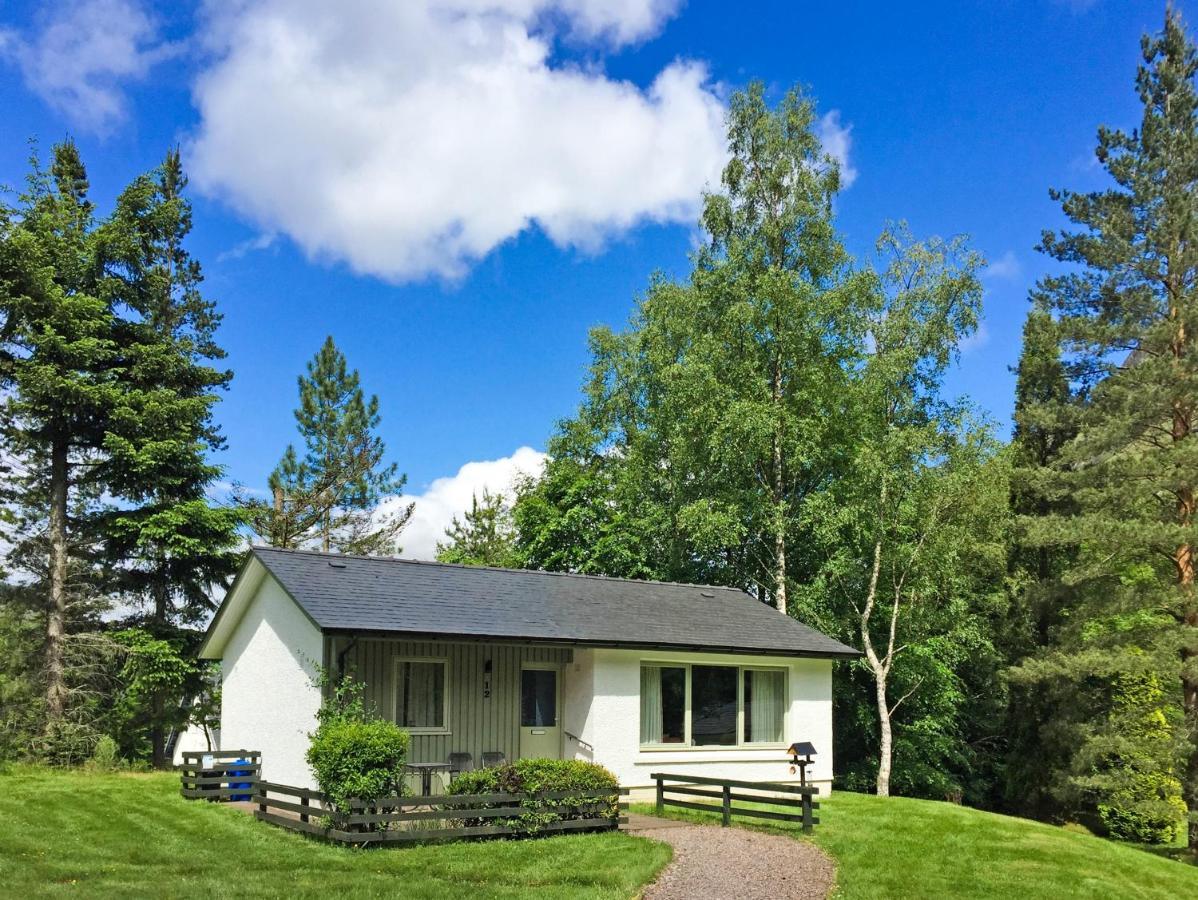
893 527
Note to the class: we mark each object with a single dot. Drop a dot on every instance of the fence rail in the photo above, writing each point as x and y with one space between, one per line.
794 797
392 820
220 774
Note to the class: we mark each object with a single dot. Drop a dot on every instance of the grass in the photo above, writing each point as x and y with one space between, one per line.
73 834
897 847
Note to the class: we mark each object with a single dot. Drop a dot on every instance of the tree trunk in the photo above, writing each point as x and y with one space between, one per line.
886 744
880 668
56 618
1183 559
779 497
158 703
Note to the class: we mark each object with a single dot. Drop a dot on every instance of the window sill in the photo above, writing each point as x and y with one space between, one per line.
427 731
709 748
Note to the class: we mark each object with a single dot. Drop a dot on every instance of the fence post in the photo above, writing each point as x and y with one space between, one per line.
727 805
304 802
261 797
661 796
807 823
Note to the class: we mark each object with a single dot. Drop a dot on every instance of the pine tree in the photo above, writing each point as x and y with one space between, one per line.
483 537
1038 742
334 496
1126 312
58 367
168 543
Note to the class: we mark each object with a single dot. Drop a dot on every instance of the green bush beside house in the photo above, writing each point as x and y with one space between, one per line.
578 778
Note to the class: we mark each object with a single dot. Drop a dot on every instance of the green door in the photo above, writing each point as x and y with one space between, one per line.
540 713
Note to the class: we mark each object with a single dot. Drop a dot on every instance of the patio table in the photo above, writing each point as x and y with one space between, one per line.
426 770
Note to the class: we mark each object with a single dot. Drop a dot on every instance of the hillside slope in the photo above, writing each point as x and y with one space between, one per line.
894 847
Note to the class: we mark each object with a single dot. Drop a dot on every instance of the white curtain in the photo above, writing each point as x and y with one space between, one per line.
766 691
421 694
651 713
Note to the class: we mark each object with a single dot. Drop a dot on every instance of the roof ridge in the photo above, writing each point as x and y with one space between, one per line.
432 562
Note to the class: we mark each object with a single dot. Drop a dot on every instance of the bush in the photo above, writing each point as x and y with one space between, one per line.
542 776
353 753
1148 809
104 757
362 760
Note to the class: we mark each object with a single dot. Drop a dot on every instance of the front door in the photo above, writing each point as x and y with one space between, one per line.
540 713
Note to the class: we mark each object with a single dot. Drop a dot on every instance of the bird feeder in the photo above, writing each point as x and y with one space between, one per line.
800 757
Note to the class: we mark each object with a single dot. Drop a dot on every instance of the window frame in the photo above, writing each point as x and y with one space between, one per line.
444 662
687 745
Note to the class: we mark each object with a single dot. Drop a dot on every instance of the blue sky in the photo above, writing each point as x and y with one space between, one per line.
457 197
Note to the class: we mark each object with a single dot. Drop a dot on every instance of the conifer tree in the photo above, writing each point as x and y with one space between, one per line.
334 496
58 373
1126 311
484 536
169 545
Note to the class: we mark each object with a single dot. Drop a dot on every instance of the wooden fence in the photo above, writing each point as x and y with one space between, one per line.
220 774
391 820
726 792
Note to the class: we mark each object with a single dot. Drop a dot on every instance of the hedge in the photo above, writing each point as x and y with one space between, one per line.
542 776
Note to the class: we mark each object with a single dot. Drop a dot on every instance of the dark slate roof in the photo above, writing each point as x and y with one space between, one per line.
370 594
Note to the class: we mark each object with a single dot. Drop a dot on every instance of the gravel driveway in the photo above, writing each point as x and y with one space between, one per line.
724 863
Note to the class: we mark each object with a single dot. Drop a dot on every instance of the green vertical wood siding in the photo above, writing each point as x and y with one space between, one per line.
477 725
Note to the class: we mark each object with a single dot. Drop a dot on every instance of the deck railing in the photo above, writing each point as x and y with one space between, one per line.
726 791
390 820
220 774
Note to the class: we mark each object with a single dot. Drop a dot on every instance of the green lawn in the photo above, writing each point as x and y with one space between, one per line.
895 847
133 836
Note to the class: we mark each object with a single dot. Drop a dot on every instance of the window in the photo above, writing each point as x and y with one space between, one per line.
712 706
538 698
420 694
663 705
765 693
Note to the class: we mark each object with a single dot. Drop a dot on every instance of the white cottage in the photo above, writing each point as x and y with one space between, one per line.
639 676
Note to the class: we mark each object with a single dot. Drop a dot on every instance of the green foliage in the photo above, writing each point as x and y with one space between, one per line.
109 385
542 776
331 497
358 760
484 537
105 756
1107 491
353 753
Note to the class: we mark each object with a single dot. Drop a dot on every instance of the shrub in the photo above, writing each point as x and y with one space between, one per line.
358 759
104 757
542 776
355 754
1147 809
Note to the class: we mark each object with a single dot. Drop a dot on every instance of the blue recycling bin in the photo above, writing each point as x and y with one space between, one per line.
248 786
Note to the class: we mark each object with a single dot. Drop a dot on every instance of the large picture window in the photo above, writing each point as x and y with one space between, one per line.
711 706
420 694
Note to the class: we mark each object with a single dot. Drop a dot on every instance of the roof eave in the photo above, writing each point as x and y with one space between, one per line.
847 653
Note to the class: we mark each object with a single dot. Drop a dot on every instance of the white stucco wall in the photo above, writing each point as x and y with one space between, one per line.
612 720
268 698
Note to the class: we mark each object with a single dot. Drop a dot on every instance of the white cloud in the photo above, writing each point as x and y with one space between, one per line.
410 139
838 143
1006 267
248 246
975 341
80 58
451 495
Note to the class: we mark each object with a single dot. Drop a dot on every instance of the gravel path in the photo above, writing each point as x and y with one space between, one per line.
712 863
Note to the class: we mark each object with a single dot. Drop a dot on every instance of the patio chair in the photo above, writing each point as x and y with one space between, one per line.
493 758
459 763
